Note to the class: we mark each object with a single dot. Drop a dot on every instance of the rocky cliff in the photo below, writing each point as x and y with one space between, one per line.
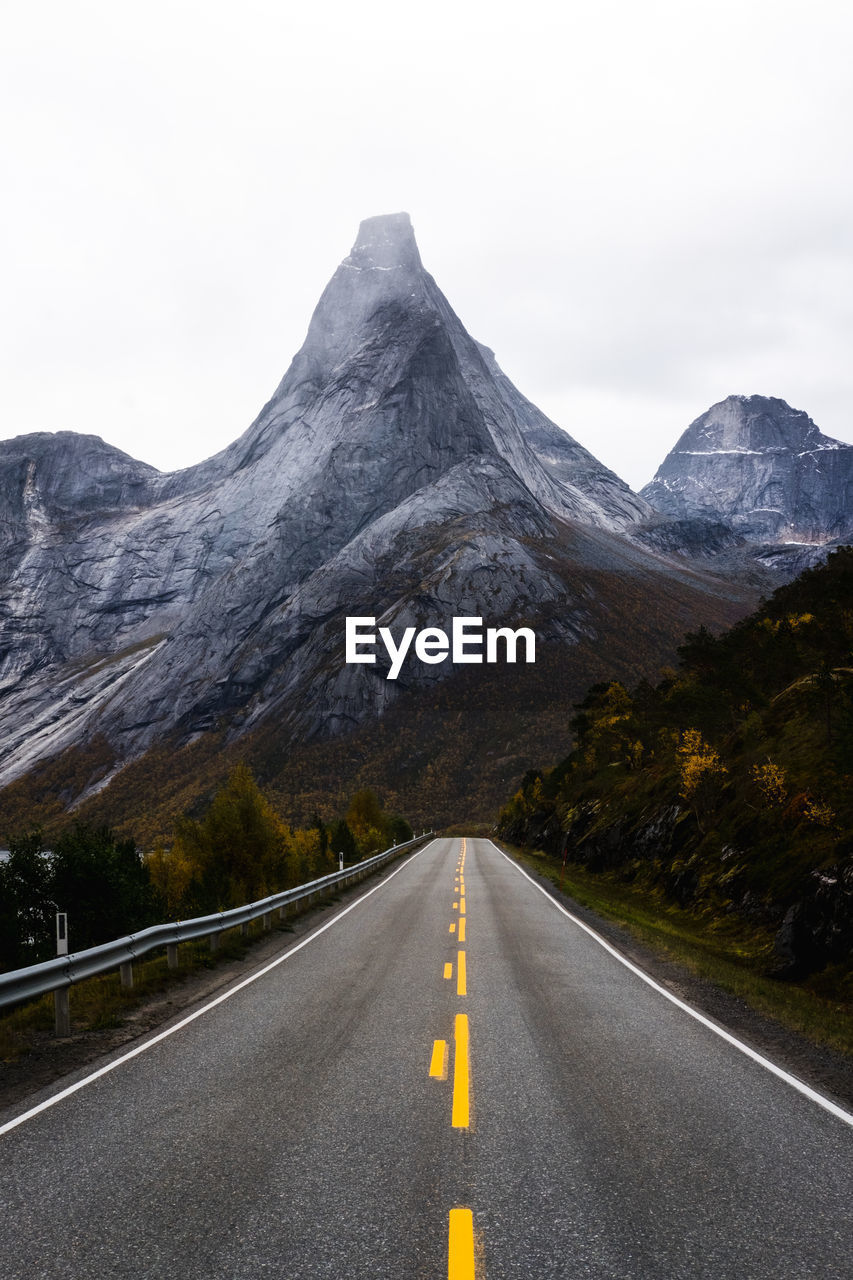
764 469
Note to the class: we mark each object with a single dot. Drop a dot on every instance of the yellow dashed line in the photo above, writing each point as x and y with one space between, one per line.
438 1062
460 1245
460 1231
460 1114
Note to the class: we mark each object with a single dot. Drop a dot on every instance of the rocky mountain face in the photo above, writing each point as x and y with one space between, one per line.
763 469
395 473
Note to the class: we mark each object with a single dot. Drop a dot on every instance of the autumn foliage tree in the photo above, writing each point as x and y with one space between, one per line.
242 850
367 822
236 853
700 771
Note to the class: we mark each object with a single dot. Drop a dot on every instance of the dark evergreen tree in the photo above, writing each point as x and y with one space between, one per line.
100 880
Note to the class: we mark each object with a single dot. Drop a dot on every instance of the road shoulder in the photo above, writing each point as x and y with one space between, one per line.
822 1068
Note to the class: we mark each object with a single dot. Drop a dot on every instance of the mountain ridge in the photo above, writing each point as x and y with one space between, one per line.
395 472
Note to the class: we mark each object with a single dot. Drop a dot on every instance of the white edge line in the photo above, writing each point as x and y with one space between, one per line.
226 995
799 1085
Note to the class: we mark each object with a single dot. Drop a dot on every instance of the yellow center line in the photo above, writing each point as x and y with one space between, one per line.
448 970
460 1114
438 1062
460 1235
460 1245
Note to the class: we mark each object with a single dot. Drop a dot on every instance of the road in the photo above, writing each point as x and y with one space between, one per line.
375 1105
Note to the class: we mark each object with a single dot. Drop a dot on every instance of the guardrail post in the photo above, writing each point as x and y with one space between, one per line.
172 955
244 929
214 942
62 1012
126 971
267 919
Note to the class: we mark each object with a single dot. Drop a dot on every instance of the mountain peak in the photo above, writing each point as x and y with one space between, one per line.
383 243
751 422
763 467
387 365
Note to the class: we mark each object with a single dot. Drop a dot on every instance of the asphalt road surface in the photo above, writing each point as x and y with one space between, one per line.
449 1077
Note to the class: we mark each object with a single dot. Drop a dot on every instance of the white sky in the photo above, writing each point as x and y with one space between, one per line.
641 205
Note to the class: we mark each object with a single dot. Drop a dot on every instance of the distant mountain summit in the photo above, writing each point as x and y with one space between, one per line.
762 467
388 367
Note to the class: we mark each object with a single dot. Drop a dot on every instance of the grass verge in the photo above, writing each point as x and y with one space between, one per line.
727 952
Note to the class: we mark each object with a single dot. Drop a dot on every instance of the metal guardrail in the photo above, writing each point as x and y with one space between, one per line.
62 972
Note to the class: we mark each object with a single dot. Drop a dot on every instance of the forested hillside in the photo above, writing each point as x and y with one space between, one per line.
727 785
240 850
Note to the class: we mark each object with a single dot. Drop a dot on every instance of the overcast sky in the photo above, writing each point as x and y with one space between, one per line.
641 207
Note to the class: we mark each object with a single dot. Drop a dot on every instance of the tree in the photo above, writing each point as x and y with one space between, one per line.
305 859
399 829
96 877
101 881
27 910
771 781
700 771
239 850
171 872
342 841
367 822
605 726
